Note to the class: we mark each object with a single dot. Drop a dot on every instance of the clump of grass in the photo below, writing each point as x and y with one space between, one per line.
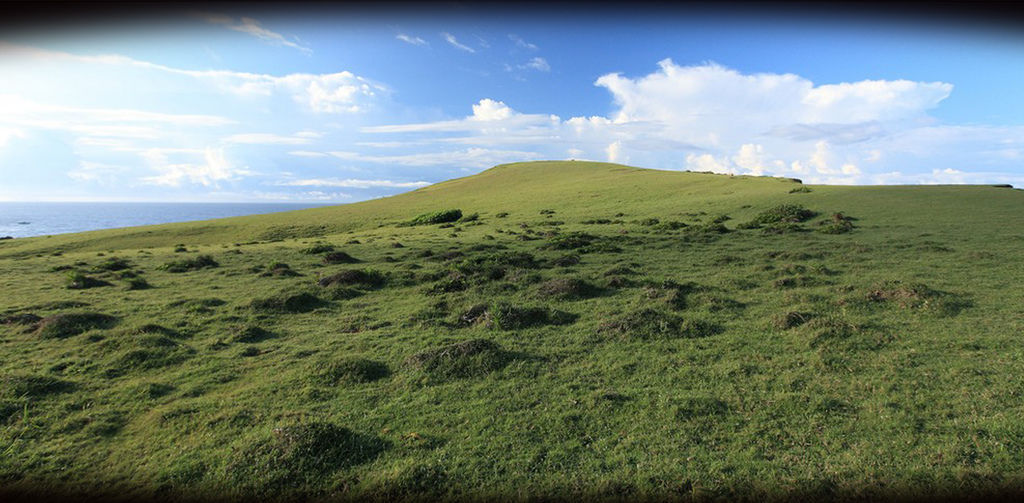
567 260
347 371
496 265
838 224
341 292
279 269
112 264
152 329
830 329
248 333
79 281
300 455
20 319
566 289
695 407
367 278
153 352
454 281
190 264
137 284
791 319
287 303
339 257
650 323
796 281
472 217
318 248
501 214
199 306
64 325
506 316
436 217
570 241
474 357
32 386
803 189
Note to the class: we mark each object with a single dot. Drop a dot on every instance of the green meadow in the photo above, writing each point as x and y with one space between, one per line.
574 330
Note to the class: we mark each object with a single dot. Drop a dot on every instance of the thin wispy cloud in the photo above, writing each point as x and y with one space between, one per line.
409 39
253 27
353 183
448 37
521 43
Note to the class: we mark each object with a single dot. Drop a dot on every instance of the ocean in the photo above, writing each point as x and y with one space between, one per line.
21 220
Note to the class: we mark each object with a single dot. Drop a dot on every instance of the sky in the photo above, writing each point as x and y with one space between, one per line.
233 104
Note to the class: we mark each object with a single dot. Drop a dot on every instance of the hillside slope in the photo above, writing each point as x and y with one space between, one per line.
580 189
584 330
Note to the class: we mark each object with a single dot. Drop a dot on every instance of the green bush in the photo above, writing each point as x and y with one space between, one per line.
437 217
792 213
347 371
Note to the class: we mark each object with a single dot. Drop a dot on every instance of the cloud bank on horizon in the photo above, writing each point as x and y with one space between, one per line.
82 124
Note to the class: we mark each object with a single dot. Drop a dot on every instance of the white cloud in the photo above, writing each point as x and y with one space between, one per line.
354 183
214 167
269 139
410 39
490 110
96 172
340 92
7 134
614 152
253 27
448 37
537 63
521 43
467 158
307 153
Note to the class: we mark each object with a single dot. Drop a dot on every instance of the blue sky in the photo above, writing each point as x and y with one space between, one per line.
230 105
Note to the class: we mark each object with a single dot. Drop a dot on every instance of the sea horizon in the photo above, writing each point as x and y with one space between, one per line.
23 219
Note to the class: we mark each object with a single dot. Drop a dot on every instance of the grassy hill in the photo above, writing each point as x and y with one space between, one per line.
583 330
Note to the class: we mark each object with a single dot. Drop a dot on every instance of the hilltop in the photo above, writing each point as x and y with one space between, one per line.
574 329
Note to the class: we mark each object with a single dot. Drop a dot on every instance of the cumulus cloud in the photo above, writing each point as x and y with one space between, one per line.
253 27
448 37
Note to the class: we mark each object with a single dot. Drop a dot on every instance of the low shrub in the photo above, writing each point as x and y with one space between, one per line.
793 213
437 217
